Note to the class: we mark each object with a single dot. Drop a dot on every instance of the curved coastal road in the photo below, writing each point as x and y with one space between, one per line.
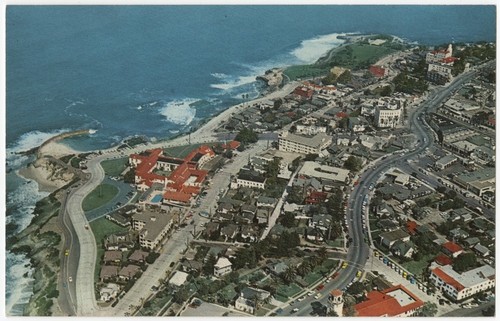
358 251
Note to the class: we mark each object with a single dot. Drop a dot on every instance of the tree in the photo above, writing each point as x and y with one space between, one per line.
304 268
129 176
289 274
464 262
356 288
277 103
233 277
353 163
288 220
428 310
386 91
181 295
208 267
345 77
322 253
247 136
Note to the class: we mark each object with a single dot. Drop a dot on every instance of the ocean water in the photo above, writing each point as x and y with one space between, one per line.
158 70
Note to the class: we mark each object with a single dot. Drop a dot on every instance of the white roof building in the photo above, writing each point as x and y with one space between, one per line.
313 169
222 267
179 278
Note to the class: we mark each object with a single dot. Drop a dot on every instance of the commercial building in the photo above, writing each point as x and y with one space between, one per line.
386 117
459 286
396 301
478 182
324 172
439 55
289 142
445 162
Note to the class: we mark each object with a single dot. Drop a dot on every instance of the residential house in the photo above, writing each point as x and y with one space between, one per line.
387 225
119 241
222 267
128 272
113 257
264 201
481 250
249 233
471 241
109 292
458 234
108 272
247 300
229 231
138 256
262 215
389 238
452 249
178 279
403 249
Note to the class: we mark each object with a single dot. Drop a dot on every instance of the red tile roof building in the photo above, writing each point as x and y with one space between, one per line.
378 71
185 179
231 145
452 249
397 301
303 92
442 259
411 227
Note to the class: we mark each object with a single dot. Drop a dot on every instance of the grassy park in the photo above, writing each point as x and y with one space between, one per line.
101 195
114 167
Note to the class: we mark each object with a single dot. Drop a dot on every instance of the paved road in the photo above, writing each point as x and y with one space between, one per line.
121 197
358 251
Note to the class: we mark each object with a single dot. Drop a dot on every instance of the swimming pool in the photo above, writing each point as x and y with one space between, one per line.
157 198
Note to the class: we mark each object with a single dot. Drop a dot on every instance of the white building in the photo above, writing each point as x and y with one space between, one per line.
313 169
303 145
249 178
109 292
387 117
153 228
222 267
459 286
439 55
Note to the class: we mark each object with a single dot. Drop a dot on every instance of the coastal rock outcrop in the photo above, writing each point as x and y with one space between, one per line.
273 78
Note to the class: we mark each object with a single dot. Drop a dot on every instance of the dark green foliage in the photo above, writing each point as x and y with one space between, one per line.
353 163
465 262
247 136
129 177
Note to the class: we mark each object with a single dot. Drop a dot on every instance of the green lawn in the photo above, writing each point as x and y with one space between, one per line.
288 290
181 151
305 71
102 228
114 167
101 195
417 267
312 277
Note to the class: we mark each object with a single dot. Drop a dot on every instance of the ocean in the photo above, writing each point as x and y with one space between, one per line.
159 70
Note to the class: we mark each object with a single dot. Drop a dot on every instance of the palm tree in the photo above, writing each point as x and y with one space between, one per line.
289 274
322 253
304 268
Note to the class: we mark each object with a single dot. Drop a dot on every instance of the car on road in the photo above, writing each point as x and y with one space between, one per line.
320 287
358 274
344 265
66 253
317 296
70 279
295 310
279 311
301 298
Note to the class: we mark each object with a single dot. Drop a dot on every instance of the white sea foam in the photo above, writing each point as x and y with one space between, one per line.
311 50
26 142
179 112
18 295
92 131
234 82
